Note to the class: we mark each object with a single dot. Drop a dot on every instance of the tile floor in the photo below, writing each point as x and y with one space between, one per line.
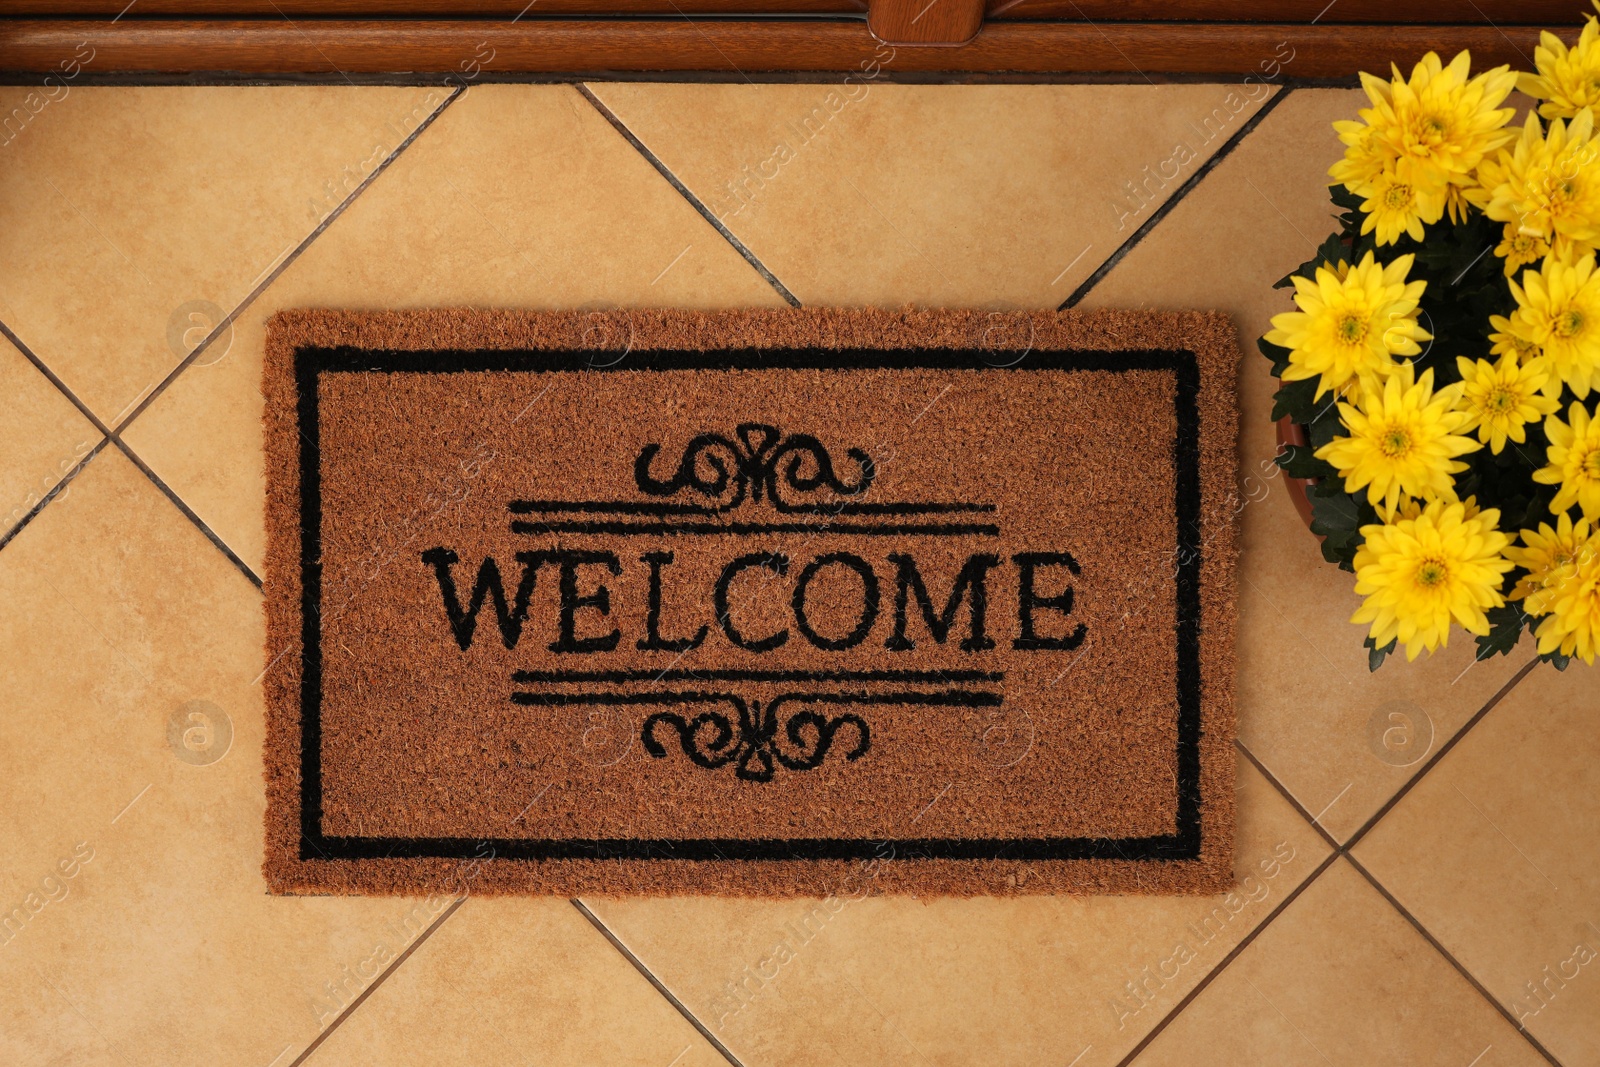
1420 879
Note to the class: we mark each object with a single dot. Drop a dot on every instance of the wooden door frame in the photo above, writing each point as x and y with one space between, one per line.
64 40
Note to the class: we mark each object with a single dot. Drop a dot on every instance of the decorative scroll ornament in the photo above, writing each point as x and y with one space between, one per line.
756 745
753 467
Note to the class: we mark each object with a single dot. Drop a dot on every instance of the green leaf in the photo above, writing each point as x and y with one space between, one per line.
1337 518
1332 250
1296 400
1334 509
1326 425
1505 630
1276 353
1344 198
1300 462
1376 655
1556 660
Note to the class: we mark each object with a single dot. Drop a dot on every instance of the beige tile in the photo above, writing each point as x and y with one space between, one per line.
518 196
1340 979
1342 739
1494 852
861 981
131 208
976 195
509 980
134 923
42 436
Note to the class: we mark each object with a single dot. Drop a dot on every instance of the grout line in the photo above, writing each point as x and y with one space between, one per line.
11 534
1177 197
189 513
1343 850
1444 750
683 191
660 987
54 379
112 435
376 982
1449 957
1283 790
294 254
1222 964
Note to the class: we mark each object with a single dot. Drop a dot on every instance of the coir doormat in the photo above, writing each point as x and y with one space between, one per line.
802 602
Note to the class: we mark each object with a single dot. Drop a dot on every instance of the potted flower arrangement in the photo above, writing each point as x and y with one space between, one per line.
1441 372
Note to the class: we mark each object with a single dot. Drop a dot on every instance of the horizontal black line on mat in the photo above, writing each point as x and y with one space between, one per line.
347 359
957 698
624 507
1162 847
680 675
745 529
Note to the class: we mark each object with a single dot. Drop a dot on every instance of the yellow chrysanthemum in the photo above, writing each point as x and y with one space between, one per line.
1568 80
1501 398
1504 341
1519 249
1404 440
1392 207
1558 309
1574 456
1428 133
1562 585
1351 324
1571 628
1367 151
1547 186
1548 555
1441 123
1418 574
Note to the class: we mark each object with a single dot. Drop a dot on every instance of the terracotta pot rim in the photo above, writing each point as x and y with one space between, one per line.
1290 432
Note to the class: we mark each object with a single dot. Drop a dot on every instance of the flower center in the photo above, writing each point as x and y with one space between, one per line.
1435 127
1552 190
1352 329
1398 198
1432 573
1569 323
1560 560
1501 400
1395 442
1591 464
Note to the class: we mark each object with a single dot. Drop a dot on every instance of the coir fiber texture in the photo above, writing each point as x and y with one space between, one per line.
814 602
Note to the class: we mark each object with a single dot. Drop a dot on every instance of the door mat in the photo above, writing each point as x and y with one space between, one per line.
814 603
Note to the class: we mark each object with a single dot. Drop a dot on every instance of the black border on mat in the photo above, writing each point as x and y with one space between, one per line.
311 362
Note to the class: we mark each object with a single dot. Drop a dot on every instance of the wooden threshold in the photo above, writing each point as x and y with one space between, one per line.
482 49
1465 12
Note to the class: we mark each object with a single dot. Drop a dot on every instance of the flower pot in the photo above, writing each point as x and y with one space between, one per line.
1292 433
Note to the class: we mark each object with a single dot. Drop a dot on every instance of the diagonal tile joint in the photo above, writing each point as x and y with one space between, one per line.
1111 261
683 191
112 435
1342 850
657 983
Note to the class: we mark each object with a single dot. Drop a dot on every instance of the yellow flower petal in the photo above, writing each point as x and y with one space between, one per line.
1420 574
